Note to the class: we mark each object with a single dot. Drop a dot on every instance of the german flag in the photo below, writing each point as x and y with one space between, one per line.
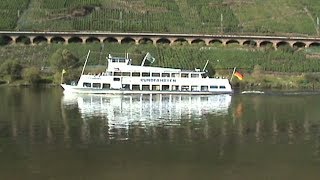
238 75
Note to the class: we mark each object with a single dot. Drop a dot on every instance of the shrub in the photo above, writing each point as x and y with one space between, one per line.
63 59
11 68
32 75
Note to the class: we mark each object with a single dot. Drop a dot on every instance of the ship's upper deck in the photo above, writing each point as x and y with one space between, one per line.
125 65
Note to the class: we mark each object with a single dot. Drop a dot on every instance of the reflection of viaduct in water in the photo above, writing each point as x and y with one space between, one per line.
11 37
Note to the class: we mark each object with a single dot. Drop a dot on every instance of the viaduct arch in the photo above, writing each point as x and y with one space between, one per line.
33 38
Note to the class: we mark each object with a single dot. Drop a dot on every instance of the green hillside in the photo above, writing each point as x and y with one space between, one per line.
286 67
176 56
173 16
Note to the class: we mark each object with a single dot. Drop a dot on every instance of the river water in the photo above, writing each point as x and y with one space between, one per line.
45 134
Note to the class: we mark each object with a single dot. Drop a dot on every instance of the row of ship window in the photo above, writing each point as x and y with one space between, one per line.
155 87
147 74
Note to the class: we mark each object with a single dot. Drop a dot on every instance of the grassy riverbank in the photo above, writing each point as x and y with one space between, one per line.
263 68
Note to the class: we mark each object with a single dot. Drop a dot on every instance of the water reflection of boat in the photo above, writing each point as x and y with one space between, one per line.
147 110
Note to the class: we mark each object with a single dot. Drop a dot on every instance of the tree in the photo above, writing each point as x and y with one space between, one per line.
32 75
63 59
11 68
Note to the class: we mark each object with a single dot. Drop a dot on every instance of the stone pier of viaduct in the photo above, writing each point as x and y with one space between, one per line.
33 38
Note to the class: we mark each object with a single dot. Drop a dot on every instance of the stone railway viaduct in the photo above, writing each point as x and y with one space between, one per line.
33 38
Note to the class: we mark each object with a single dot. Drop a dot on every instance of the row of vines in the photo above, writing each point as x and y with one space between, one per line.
188 16
60 4
118 20
155 17
176 56
228 58
10 12
130 16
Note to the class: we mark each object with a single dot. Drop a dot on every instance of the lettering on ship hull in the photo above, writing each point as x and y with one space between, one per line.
158 80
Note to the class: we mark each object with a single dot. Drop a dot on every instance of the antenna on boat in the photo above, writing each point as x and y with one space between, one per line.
85 63
205 66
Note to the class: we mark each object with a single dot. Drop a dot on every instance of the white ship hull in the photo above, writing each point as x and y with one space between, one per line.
82 90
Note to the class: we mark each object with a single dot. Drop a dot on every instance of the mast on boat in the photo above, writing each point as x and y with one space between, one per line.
85 63
205 66
147 57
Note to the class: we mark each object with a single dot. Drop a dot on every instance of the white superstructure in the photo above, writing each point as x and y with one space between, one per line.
121 77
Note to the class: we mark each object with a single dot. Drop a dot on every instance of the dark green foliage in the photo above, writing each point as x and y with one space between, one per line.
72 76
63 59
32 75
11 68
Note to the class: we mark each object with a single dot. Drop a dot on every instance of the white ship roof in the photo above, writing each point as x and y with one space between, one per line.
126 66
134 68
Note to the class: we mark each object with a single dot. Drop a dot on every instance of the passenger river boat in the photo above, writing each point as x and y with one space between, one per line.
122 77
